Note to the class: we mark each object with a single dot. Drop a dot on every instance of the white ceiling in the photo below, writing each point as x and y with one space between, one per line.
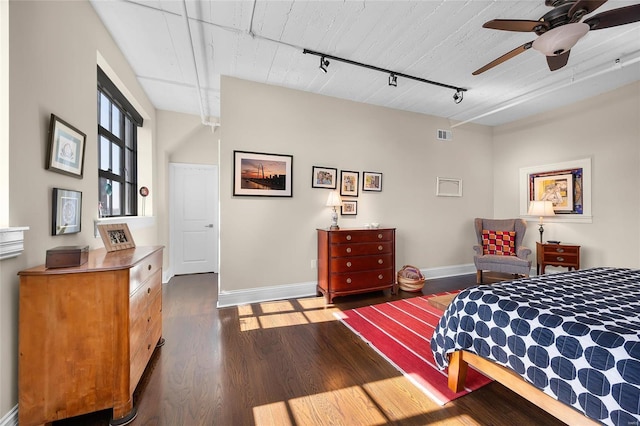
437 40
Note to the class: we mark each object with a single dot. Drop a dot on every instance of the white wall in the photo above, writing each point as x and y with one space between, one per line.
52 64
606 129
271 241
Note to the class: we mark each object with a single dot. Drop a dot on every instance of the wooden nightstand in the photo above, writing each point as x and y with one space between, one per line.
564 255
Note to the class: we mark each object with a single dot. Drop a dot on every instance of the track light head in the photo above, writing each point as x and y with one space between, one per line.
458 96
393 80
324 63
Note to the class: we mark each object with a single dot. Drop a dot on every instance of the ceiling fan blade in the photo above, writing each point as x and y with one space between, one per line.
515 25
585 7
518 50
558 61
615 17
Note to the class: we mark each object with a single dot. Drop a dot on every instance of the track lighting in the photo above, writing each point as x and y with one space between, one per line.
393 76
324 63
457 97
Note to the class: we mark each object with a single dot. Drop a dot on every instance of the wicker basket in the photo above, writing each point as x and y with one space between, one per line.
410 278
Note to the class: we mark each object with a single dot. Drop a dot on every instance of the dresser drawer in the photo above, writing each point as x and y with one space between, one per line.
358 249
361 236
143 270
550 258
561 250
141 309
141 357
361 280
361 263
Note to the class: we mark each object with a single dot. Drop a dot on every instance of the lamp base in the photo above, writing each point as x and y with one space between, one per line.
334 219
541 229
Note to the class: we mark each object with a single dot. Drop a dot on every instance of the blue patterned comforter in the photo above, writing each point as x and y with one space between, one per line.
574 335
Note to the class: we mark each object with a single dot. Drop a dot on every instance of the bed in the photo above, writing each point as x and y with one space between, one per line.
569 342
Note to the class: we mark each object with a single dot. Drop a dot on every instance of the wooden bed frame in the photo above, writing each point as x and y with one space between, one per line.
458 365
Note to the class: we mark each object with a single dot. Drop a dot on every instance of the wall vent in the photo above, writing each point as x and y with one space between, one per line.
445 135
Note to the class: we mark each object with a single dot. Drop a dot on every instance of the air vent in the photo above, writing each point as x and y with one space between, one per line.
445 135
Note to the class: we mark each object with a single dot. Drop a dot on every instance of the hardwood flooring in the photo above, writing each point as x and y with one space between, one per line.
291 363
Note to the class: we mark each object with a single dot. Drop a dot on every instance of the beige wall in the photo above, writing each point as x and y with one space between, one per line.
607 130
271 241
53 54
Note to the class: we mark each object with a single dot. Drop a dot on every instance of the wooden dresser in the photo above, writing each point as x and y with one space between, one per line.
87 333
564 255
356 261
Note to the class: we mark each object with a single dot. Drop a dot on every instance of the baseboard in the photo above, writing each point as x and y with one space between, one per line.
11 418
265 294
308 289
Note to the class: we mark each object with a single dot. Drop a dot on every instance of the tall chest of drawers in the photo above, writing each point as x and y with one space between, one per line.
87 333
356 260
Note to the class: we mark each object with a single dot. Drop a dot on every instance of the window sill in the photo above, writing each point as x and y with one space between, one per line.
12 241
133 222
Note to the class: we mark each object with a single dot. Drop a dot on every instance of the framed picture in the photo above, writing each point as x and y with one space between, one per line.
66 148
349 207
371 181
66 212
448 187
349 183
116 236
324 177
267 175
567 185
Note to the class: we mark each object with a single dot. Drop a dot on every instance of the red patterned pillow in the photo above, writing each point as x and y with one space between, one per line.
501 243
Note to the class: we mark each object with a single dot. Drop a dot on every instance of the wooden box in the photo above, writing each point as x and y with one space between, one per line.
67 256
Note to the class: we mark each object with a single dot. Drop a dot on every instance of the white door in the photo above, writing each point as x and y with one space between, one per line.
193 211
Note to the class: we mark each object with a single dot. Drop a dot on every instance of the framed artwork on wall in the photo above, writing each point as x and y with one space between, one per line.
66 148
349 183
66 213
116 236
371 181
324 177
349 207
261 174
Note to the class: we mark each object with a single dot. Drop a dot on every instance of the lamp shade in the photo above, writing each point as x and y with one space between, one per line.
541 208
560 39
334 199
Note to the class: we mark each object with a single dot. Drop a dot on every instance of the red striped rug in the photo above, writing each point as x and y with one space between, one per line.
401 332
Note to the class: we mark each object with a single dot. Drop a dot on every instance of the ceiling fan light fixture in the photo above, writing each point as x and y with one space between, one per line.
560 39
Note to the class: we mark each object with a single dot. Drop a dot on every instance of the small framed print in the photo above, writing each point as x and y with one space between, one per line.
349 183
324 177
66 148
67 211
116 236
349 207
371 181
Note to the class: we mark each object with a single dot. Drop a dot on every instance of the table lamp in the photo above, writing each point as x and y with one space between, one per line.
541 209
334 201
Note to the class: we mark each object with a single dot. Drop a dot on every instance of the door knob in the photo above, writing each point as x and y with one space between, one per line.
209 225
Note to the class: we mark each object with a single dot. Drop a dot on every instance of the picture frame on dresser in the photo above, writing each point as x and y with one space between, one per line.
116 236
349 183
66 214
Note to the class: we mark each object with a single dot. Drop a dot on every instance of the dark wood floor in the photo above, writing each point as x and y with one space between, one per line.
291 363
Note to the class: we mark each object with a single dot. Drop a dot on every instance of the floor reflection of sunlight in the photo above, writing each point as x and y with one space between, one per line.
285 313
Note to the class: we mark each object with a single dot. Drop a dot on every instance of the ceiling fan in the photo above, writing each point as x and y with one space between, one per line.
560 29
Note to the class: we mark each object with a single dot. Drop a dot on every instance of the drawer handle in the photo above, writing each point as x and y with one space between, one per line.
380 276
560 259
149 319
348 280
380 248
379 236
348 249
348 237
149 290
348 264
149 267
380 261
148 346
560 250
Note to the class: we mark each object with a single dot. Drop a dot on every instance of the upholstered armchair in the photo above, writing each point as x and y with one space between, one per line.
517 263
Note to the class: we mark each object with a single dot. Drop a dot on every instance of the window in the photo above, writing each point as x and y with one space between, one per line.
118 125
